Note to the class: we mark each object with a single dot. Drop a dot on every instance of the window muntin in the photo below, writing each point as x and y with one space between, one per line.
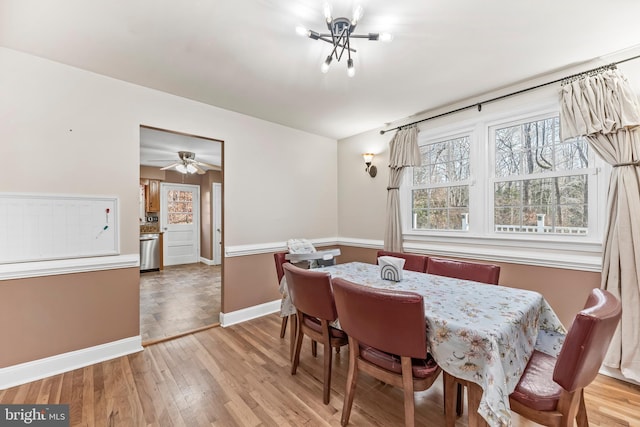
541 184
180 207
440 191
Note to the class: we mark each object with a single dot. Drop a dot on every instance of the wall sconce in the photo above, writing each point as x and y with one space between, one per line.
371 169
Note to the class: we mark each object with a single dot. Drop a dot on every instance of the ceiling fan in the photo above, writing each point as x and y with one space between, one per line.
189 164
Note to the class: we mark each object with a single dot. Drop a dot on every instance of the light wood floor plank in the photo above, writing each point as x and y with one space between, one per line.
240 376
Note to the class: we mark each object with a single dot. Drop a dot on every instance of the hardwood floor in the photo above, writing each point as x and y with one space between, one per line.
178 299
240 376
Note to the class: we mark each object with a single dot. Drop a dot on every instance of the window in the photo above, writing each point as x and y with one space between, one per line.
180 207
541 183
506 188
440 194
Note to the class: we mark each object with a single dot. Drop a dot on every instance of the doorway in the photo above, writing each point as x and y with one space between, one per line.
185 295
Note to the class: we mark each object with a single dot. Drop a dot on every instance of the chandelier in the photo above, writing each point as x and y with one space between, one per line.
339 36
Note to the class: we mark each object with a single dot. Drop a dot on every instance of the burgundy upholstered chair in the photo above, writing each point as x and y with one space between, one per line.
392 324
551 390
484 273
412 262
279 258
312 295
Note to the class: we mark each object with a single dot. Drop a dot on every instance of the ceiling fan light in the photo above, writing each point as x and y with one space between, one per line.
181 168
191 168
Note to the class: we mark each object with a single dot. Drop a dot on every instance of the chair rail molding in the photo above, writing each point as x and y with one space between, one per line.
265 248
23 270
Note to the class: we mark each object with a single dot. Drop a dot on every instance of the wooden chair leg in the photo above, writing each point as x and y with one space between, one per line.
569 406
407 386
283 327
296 352
292 335
352 379
581 416
328 351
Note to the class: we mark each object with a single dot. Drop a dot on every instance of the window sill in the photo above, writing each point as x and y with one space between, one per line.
580 253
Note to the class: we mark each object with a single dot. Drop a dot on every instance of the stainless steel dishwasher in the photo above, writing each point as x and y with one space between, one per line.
149 251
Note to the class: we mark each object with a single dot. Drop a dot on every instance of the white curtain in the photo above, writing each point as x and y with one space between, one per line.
404 152
603 108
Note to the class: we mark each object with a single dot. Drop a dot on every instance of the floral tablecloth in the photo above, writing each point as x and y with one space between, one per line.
478 332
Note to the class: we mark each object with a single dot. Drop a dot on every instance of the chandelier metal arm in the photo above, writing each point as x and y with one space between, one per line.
339 36
324 39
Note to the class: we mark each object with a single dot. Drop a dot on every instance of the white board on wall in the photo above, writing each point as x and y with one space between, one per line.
38 227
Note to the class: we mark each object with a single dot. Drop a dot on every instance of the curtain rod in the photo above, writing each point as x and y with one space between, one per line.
478 105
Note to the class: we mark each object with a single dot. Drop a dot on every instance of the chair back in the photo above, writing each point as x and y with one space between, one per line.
587 341
391 321
412 262
483 273
310 292
280 259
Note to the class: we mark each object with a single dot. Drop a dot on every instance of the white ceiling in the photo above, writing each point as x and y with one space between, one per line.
244 55
159 148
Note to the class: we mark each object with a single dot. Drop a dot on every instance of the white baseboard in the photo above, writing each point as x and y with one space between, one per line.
207 261
228 319
615 373
54 365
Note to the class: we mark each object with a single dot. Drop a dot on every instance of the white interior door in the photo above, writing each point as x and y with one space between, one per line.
217 223
180 219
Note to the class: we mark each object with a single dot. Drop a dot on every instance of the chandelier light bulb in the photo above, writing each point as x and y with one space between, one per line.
302 31
385 37
327 12
350 70
339 35
357 14
325 65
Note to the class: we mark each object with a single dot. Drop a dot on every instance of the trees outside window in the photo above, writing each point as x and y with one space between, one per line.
440 193
540 183
511 177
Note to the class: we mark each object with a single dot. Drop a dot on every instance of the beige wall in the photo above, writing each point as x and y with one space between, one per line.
50 315
206 213
80 133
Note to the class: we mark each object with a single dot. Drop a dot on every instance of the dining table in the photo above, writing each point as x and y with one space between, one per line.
481 333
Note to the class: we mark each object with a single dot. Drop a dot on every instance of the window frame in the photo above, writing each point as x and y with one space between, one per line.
480 241
591 173
466 182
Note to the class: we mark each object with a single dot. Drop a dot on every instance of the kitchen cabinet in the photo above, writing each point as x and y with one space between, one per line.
153 195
